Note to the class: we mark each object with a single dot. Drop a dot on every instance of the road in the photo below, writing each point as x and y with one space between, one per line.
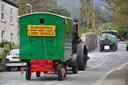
100 65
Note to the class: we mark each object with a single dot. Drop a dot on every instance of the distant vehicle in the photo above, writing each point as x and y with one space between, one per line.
121 38
112 32
108 40
12 60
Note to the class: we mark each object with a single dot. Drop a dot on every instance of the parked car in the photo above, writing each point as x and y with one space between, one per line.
12 60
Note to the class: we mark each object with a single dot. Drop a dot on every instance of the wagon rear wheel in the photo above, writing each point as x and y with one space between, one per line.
28 72
45 72
60 76
38 74
60 72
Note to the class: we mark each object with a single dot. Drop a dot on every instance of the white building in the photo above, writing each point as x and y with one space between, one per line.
9 27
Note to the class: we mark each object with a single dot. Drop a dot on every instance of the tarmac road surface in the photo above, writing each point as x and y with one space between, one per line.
103 68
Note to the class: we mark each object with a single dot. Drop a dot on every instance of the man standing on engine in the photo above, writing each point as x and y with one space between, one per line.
75 35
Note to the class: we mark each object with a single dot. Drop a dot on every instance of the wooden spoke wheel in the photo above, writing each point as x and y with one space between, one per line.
38 74
60 76
28 72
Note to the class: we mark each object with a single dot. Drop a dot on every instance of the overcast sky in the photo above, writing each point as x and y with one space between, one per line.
72 6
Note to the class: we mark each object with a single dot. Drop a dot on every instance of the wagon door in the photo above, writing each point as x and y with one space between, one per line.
41 41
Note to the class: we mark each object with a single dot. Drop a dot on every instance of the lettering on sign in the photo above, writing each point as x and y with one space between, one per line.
41 27
42 30
39 33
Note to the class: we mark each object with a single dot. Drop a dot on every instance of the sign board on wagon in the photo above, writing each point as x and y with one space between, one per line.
42 30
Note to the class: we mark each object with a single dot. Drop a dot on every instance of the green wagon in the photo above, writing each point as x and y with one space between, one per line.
46 44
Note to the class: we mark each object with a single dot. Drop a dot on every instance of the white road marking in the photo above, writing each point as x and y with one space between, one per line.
99 82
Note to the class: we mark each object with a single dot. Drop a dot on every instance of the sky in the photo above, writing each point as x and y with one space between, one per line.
73 7
107 14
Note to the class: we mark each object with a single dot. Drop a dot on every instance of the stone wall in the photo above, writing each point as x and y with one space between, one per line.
91 40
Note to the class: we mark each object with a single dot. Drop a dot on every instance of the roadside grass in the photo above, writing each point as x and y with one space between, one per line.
1 57
126 40
102 27
106 26
83 30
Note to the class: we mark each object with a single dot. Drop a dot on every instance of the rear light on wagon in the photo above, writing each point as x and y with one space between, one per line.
7 60
61 58
21 57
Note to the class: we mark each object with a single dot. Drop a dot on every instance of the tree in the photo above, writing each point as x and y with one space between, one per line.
43 5
88 15
85 13
120 14
62 11
38 5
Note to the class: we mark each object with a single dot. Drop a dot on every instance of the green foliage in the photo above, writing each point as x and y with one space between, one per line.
88 16
37 5
106 26
126 40
83 30
3 54
120 16
10 44
6 50
40 6
62 11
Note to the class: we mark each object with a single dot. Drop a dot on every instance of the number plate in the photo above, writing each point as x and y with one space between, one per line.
106 47
14 57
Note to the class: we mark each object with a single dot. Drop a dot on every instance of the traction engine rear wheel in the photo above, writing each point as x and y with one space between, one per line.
61 71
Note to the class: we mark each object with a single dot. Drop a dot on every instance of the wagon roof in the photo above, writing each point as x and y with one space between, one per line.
45 13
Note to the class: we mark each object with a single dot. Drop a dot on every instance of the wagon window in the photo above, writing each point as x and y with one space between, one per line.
41 21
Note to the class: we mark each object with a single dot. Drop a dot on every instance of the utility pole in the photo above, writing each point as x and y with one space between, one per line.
93 16
30 7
